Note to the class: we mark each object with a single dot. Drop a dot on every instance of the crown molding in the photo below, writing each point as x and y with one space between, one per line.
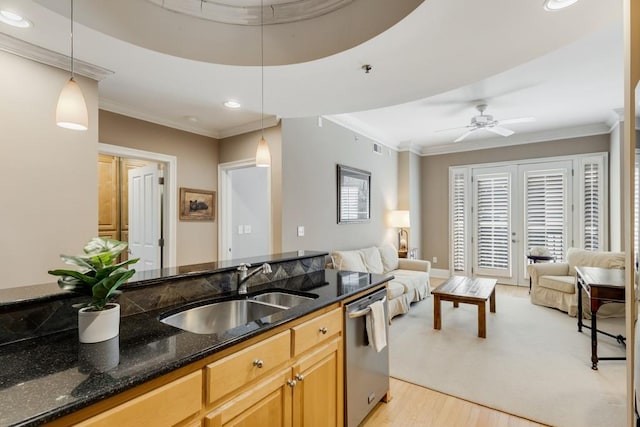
39 54
524 138
269 121
362 129
114 107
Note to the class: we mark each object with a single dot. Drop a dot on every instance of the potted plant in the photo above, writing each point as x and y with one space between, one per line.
99 277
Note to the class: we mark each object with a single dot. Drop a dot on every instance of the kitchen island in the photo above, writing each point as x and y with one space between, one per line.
47 378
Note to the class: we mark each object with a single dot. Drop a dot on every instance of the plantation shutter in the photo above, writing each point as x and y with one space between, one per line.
349 206
493 221
459 220
591 209
546 215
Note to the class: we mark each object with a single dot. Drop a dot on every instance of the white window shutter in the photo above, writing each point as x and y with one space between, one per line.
591 203
493 221
545 205
459 220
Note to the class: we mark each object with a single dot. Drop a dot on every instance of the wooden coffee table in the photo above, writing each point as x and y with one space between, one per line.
466 290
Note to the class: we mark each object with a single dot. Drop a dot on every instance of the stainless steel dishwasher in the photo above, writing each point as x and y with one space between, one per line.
366 370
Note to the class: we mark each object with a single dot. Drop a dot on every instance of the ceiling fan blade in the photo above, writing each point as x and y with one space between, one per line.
447 129
464 135
500 130
518 120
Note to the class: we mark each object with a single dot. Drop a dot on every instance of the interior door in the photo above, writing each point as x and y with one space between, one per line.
144 216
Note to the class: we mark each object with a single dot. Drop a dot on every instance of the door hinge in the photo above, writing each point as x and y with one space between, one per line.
572 172
161 180
161 243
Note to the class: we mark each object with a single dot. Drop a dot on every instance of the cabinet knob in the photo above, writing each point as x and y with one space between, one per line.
300 377
259 363
291 383
324 330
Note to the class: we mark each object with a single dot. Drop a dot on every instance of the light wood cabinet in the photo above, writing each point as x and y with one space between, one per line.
318 393
308 392
165 406
108 197
293 377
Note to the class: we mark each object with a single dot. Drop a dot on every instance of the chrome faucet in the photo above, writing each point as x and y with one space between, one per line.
244 275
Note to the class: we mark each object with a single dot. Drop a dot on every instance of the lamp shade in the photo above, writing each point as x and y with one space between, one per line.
71 112
399 219
263 157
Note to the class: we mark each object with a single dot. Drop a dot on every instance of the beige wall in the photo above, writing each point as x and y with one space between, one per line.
243 147
48 176
409 185
435 183
197 158
309 189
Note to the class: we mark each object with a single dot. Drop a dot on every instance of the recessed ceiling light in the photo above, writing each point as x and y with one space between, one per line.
553 5
14 19
232 103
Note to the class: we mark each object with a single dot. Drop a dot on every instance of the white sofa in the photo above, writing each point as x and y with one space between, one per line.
411 277
553 284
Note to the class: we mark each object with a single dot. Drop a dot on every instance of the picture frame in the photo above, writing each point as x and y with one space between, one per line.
197 205
354 195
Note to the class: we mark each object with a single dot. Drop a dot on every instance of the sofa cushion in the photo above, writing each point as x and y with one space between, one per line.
348 260
414 282
566 284
389 257
394 290
372 260
580 257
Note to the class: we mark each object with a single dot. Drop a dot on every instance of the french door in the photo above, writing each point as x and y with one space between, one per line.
517 207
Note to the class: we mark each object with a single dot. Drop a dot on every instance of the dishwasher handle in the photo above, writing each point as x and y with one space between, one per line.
364 311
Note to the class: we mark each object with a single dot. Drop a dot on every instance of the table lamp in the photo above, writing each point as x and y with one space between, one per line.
400 219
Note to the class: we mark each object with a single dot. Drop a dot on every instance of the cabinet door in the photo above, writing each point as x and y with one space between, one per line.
108 199
267 404
318 393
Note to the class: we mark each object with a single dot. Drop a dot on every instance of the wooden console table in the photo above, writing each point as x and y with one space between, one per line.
602 285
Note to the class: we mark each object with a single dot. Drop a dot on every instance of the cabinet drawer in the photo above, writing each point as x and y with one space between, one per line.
317 330
166 405
238 369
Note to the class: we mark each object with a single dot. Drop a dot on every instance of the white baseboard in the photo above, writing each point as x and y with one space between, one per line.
440 273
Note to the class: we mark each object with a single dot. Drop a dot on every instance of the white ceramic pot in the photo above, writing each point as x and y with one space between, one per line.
98 325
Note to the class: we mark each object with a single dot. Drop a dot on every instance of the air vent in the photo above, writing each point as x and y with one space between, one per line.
377 148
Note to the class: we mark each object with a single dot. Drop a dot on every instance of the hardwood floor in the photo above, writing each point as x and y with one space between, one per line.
413 405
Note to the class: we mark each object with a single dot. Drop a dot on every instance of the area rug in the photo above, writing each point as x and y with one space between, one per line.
533 363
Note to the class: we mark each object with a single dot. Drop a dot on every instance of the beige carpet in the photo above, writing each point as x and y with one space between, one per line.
533 363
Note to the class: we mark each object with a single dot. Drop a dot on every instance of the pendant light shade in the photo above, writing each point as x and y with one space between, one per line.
263 156
71 112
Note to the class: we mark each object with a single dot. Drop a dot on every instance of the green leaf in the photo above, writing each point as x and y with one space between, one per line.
80 261
106 288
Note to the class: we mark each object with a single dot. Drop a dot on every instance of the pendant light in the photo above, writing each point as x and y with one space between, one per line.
263 157
71 112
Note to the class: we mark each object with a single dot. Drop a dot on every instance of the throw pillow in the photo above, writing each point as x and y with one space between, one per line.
348 260
372 260
389 257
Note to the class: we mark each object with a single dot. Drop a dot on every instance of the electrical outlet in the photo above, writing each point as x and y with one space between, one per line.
435 259
300 230
247 229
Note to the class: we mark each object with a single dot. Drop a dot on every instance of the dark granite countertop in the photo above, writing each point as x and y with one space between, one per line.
45 378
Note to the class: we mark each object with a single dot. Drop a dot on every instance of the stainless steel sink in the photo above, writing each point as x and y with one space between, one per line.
221 316
281 299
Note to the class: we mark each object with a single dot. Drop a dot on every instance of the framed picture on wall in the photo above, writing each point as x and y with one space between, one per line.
354 195
197 205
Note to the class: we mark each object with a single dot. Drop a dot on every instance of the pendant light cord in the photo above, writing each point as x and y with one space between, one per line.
261 66
72 39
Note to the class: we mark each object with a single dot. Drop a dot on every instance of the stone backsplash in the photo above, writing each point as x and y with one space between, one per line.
39 318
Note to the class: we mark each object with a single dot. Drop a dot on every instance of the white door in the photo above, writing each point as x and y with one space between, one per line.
493 225
144 217
516 208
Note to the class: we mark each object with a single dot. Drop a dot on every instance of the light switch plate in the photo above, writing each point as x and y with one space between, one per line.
300 230
247 229
240 229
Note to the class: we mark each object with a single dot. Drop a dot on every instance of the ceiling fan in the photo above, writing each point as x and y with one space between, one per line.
486 122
